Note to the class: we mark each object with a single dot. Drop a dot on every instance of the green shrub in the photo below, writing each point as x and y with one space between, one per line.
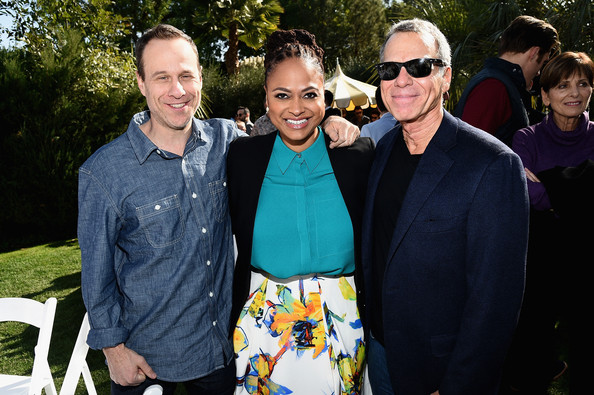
58 106
225 93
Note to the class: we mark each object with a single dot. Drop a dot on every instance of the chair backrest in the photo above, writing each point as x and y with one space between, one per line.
41 315
78 364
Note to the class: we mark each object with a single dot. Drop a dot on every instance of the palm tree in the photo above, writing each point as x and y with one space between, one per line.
248 21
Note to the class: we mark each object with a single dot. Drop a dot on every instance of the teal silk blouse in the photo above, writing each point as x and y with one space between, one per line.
302 224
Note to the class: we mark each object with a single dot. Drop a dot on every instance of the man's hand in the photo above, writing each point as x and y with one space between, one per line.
341 132
126 367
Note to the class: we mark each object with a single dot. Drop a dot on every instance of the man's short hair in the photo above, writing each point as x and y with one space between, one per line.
161 32
328 97
526 32
378 99
428 32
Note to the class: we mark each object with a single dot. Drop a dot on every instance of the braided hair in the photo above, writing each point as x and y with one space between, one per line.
285 44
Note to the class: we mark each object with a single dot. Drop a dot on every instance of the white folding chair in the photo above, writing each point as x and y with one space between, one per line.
78 364
41 315
154 389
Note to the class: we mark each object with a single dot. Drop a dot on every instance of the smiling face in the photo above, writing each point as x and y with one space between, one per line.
409 99
295 101
568 100
172 83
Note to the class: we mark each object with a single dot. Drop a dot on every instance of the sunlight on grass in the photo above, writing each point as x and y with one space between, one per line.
39 273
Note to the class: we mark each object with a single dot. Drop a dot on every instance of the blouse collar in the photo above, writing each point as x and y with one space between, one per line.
311 156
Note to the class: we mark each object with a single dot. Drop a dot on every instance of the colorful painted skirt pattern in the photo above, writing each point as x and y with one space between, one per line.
301 335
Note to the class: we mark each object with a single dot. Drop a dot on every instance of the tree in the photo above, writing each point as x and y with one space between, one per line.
38 23
140 15
248 21
66 91
347 30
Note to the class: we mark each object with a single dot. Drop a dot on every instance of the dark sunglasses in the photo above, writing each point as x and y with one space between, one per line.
416 68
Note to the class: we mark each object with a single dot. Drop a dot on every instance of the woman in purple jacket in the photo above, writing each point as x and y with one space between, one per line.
558 156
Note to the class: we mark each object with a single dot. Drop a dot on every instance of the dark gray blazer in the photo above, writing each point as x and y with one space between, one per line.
454 279
247 161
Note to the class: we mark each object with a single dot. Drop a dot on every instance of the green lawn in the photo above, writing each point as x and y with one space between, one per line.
39 273
54 270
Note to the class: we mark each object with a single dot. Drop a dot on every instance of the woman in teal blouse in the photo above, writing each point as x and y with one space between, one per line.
296 209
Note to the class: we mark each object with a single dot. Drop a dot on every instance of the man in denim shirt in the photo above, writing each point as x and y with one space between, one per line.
155 233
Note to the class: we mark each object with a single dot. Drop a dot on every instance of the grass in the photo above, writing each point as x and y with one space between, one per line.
54 270
40 273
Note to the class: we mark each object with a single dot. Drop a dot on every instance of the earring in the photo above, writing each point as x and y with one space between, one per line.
266 109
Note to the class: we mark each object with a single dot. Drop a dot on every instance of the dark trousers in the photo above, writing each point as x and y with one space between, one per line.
377 368
533 358
220 382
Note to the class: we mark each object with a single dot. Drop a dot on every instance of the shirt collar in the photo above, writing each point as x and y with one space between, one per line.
312 156
513 70
143 147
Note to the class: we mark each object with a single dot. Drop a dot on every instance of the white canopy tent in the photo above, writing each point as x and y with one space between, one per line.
349 92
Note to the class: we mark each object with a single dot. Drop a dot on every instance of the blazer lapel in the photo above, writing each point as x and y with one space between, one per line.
432 167
382 153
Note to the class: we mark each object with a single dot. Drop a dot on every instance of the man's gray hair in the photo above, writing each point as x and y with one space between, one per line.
429 33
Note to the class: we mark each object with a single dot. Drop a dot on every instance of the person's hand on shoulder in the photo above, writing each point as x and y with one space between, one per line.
341 132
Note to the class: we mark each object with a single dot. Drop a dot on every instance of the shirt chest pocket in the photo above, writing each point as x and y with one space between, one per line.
162 221
220 199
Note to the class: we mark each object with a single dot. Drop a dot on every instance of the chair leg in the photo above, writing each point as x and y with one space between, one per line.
86 373
50 389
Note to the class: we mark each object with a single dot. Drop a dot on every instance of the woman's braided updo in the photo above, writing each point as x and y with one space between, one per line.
284 44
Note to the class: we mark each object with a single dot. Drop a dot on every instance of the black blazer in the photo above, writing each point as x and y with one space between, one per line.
247 161
454 279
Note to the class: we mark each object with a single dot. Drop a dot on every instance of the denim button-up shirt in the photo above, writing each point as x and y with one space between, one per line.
157 250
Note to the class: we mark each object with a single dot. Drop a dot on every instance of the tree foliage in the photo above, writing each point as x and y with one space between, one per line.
247 21
68 90
227 92
345 29
139 16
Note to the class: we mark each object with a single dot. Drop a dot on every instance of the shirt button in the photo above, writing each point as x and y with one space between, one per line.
224 184
207 263
210 294
214 323
159 151
194 196
157 207
203 230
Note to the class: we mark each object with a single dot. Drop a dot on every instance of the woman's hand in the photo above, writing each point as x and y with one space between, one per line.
530 175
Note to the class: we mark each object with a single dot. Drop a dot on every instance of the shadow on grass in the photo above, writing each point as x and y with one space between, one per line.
63 243
58 285
8 244
70 311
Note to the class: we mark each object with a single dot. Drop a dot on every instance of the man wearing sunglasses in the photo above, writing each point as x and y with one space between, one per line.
444 236
497 99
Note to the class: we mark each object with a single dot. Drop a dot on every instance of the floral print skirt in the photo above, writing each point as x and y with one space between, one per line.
301 335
